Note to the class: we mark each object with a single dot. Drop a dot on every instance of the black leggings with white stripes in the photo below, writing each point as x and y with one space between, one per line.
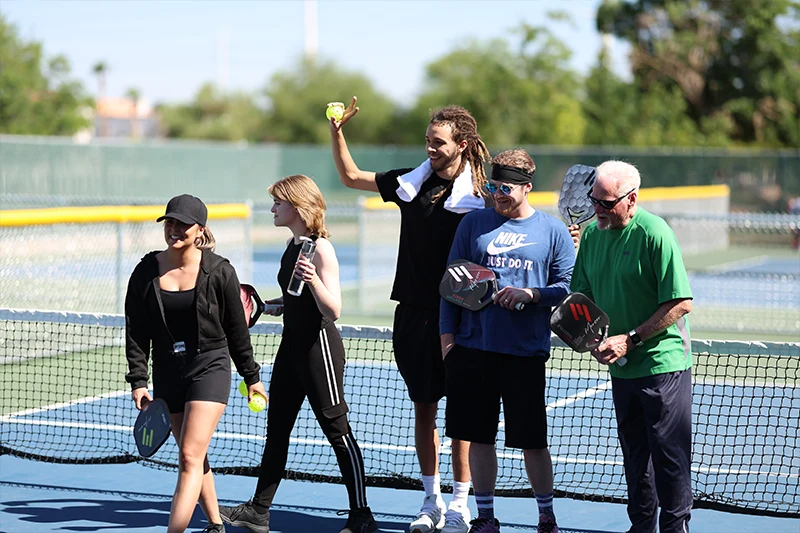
314 368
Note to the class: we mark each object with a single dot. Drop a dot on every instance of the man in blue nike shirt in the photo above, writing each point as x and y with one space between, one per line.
499 353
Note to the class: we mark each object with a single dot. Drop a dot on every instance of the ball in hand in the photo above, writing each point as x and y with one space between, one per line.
243 389
335 111
258 403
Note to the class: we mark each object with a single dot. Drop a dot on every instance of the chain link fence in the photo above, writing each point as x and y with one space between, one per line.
51 260
744 268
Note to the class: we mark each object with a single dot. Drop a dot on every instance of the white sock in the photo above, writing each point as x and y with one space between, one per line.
432 485
460 494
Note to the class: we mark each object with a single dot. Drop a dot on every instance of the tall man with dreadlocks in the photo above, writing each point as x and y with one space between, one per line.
433 198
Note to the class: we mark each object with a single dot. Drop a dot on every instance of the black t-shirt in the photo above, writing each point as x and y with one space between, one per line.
180 312
426 234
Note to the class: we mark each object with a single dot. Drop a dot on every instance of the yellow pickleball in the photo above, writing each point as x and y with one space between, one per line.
258 403
335 110
243 389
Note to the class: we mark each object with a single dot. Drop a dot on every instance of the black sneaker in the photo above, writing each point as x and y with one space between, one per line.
359 521
484 525
214 528
245 516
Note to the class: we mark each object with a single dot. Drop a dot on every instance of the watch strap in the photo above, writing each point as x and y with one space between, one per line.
637 340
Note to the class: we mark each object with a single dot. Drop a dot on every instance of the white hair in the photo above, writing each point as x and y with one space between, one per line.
625 175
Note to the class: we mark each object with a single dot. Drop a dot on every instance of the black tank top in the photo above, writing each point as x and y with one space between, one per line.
300 313
180 312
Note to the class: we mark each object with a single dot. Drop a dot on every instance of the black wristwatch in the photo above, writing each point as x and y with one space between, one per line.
637 340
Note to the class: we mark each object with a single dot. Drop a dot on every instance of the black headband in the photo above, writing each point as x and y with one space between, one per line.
507 174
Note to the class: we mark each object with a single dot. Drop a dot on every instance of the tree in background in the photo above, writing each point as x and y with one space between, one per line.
607 105
619 113
730 68
213 115
100 70
134 95
297 99
524 96
37 95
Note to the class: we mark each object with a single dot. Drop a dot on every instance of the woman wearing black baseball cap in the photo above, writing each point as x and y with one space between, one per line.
183 306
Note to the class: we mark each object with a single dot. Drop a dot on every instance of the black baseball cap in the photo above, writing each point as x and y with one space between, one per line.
187 209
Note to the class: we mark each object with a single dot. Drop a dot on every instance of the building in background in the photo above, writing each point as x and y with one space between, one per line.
123 118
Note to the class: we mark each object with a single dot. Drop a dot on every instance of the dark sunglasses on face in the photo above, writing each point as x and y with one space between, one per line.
504 188
608 204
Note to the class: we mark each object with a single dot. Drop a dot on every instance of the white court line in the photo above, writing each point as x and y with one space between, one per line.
217 435
739 264
588 393
73 425
405 449
87 399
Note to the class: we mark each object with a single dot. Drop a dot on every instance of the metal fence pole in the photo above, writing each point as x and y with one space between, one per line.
120 273
248 243
362 254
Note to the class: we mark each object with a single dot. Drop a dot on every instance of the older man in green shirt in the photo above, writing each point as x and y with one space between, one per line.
630 264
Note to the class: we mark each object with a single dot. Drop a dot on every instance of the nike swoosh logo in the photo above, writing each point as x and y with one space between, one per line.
494 250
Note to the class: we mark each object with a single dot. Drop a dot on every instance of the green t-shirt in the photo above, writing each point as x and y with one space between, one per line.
629 273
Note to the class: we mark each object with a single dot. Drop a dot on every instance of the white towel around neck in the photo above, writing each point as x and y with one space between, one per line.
461 199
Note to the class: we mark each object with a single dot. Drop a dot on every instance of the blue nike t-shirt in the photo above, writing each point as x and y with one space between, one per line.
535 252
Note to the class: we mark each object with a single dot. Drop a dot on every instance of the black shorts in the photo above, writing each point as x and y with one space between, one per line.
418 352
201 377
477 381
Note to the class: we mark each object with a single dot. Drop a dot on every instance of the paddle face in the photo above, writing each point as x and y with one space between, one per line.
579 322
573 201
152 427
252 303
468 285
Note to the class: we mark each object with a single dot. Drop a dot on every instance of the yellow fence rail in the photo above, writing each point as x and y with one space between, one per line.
653 194
100 214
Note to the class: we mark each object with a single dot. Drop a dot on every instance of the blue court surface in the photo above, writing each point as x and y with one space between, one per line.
38 497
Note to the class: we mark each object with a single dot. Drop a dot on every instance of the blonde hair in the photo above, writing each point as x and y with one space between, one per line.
206 240
305 196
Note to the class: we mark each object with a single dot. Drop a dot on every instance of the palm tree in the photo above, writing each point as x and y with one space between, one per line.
100 69
134 95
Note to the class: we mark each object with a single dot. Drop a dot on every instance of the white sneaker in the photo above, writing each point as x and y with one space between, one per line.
456 519
430 517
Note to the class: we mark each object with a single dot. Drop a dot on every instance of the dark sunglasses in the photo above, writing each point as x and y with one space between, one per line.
504 188
608 204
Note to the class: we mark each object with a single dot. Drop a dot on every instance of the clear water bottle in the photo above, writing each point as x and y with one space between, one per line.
307 248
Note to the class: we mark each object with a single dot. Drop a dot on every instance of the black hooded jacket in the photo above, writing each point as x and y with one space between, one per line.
220 318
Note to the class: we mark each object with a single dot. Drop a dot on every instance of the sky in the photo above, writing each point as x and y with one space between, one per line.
167 49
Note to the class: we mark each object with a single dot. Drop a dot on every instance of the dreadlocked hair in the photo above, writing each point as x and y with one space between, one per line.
465 128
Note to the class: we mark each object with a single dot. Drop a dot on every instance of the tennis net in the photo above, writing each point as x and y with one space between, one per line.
64 399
